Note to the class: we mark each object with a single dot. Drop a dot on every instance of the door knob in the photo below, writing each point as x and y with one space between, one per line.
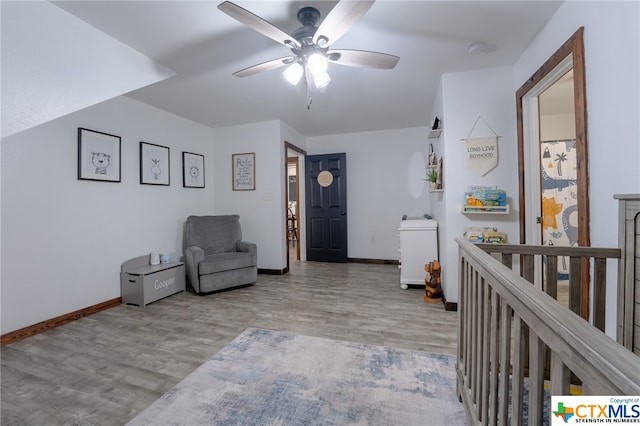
343 213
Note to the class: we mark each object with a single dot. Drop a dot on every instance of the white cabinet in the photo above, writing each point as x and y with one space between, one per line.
418 246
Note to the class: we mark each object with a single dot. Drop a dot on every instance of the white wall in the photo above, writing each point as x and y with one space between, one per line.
385 180
63 240
54 63
262 212
612 66
437 199
466 96
557 127
291 135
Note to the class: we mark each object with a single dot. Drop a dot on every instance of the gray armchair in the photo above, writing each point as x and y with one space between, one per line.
215 255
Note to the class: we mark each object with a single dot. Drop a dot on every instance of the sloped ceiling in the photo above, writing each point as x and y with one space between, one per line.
54 64
205 46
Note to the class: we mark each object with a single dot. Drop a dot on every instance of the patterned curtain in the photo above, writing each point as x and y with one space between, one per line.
559 197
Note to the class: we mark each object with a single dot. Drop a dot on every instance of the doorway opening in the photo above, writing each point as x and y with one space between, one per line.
294 196
545 214
558 174
293 206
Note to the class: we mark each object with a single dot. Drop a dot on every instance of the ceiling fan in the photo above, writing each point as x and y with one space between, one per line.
310 44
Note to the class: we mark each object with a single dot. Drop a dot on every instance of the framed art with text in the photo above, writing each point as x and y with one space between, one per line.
244 171
98 156
192 170
154 164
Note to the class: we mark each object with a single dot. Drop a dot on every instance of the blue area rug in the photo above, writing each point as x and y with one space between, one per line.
524 421
272 378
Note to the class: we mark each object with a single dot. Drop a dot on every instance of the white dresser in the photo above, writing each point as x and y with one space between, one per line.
418 246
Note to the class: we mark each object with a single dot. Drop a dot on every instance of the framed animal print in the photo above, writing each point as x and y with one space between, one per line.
154 164
192 170
98 156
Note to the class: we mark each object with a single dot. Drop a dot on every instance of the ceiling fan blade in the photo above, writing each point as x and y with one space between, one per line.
265 66
340 19
363 59
257 23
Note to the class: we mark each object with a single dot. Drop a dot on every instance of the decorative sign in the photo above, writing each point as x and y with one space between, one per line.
244 171
481 154
325 178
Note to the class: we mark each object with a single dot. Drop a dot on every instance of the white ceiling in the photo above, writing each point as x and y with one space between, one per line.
205 46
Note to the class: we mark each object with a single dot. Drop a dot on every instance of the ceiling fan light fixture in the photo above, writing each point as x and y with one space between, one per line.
310 43
317 63
321 79
293 73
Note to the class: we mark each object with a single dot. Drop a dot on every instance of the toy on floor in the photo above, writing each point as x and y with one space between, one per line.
433 284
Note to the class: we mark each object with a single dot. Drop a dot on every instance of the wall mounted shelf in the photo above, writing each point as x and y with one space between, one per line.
435 169
485 209
434 133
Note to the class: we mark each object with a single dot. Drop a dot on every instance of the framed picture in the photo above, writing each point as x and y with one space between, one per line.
244 171
192 170
154 164
98 156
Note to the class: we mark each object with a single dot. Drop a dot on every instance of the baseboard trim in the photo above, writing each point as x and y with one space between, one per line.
273 271
374 261
45 325
450 306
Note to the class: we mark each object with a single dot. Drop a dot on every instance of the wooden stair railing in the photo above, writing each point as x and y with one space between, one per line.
505 323
579 286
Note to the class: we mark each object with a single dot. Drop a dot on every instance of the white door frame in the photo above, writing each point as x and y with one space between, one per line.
531 139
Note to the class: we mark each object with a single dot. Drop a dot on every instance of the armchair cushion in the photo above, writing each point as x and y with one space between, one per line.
225 261
208 231
221 246
247 247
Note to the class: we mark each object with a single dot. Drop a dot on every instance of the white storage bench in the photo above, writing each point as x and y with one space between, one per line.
141 283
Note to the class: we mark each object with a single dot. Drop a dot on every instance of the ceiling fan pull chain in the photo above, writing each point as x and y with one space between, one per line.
309 100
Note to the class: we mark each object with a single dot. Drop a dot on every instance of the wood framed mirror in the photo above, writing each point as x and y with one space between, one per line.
531 152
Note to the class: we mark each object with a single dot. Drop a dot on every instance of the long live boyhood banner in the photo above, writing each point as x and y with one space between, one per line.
481 154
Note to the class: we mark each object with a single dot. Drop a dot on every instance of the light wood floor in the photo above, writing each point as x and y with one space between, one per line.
106 368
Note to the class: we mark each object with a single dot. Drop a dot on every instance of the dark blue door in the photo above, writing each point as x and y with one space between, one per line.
326 207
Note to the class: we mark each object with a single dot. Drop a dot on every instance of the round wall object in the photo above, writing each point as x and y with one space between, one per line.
325 178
